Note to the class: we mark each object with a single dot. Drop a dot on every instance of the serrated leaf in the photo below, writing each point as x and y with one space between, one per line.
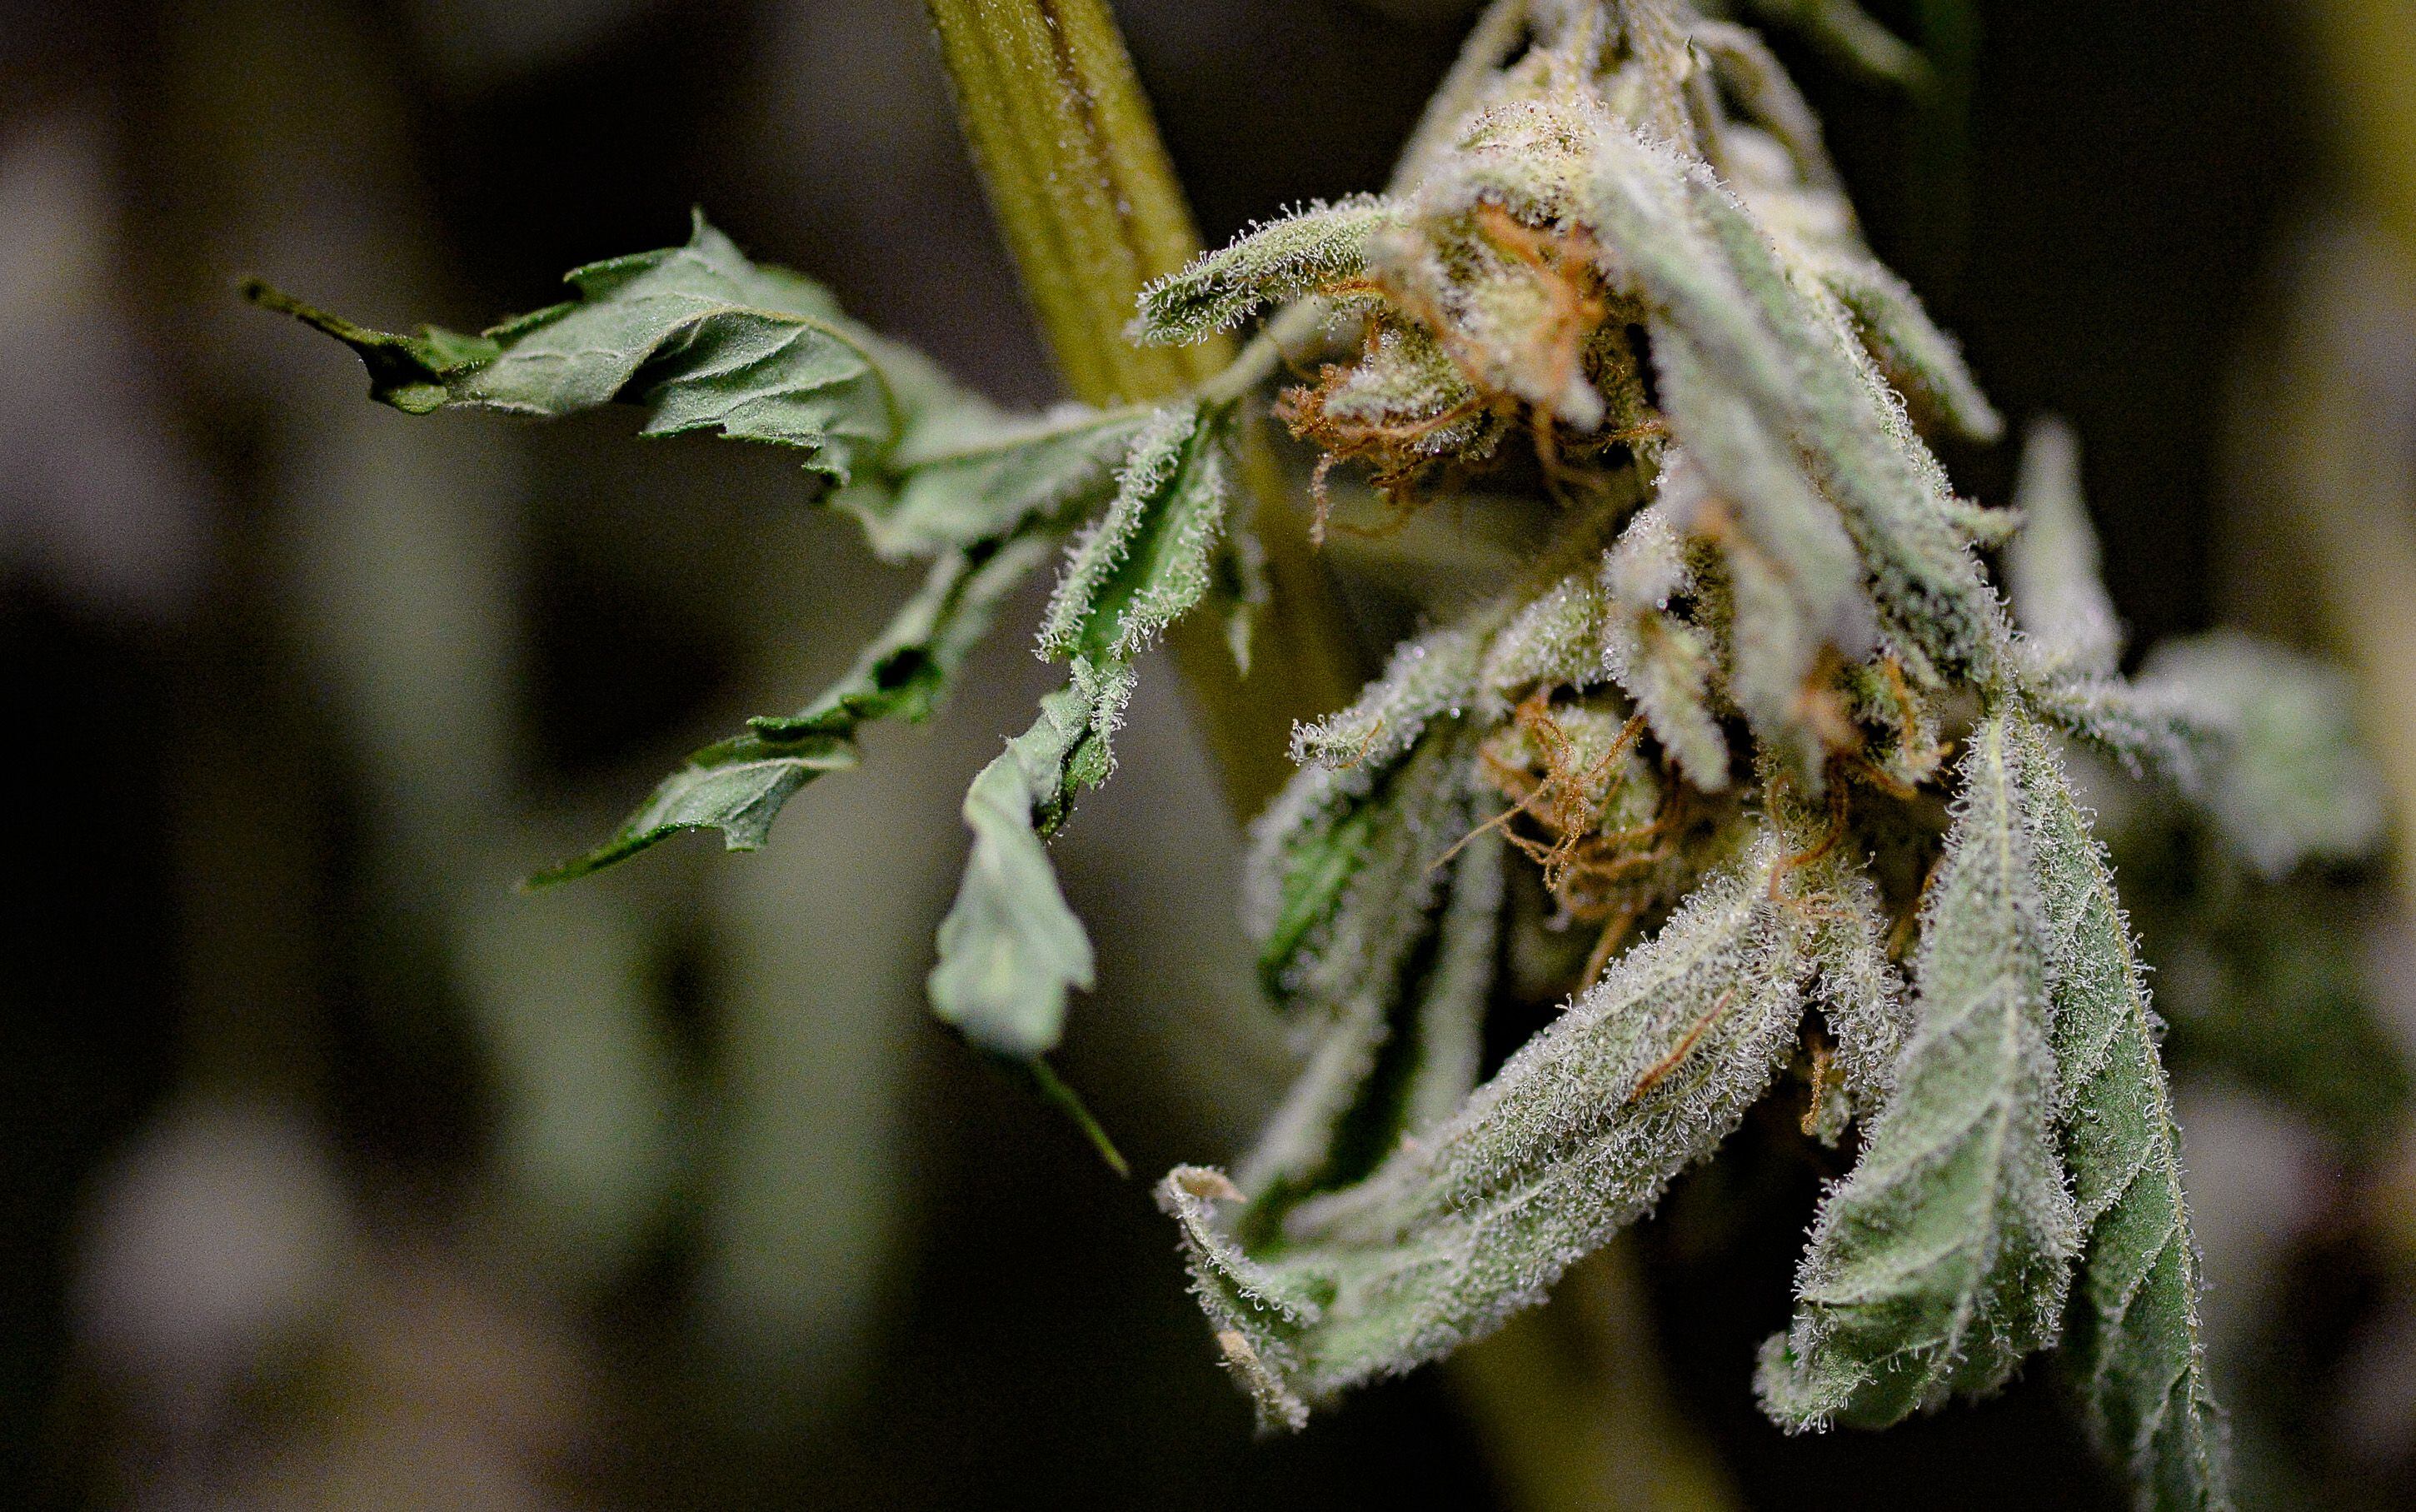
1918 357
700 337
1010 949
2051 568
1943 1258
2133 1344
1299 254
1576 1137
739 785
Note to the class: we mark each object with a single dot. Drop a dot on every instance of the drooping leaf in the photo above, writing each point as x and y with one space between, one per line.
698 336
1576 1137
1943 1258
1301 254
739 785
1010 948
2133 1344
2051 568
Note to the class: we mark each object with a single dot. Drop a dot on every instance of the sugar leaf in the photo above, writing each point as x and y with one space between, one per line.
2133 1344
1298 254
1574 1138
1943 1258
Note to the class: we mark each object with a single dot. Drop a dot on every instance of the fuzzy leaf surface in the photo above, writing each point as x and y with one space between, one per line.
1943 1258
1576 1137
1266 265
2133 1344
1347 968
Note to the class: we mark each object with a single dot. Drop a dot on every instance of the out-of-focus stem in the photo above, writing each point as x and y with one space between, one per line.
1091 212
1574 1412
2368 46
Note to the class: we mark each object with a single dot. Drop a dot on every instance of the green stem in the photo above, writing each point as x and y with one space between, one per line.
1091 211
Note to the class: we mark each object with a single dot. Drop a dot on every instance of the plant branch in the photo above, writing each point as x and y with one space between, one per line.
1091 209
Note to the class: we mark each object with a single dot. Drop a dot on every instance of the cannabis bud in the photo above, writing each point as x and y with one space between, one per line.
1751 763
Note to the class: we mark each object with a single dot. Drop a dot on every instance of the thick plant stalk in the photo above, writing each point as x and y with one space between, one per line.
1091 209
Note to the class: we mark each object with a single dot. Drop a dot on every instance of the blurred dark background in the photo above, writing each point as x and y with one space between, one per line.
334 1173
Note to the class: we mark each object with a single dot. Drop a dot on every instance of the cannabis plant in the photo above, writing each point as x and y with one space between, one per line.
1756 762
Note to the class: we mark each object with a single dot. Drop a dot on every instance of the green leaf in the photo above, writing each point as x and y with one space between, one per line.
2286 780
1149 559
2051 568
2134 1343
1918 357
1299 254
1943 1258
1792 381
701 338
739 785
1576 1137
992 477
1010 948
1350 966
